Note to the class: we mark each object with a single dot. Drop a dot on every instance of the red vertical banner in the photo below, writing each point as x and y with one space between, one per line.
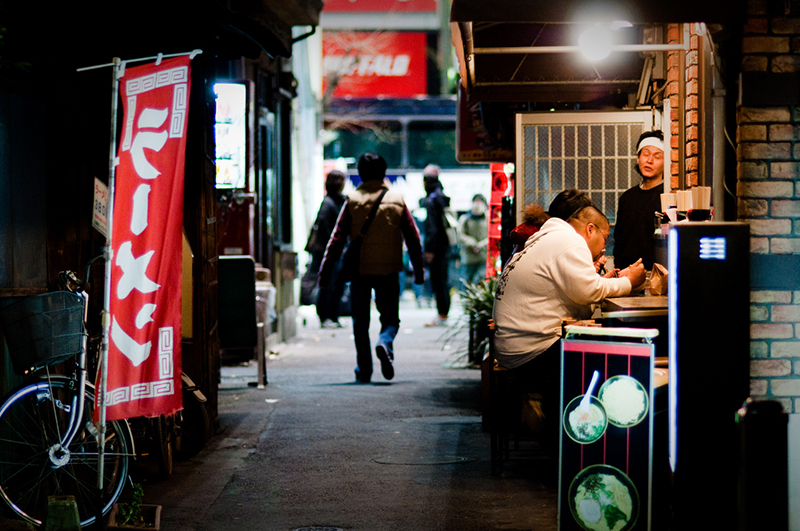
502 186
144 362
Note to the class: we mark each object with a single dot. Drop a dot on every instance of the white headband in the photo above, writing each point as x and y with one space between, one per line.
650 141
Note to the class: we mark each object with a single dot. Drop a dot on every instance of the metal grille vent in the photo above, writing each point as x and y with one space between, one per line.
591 151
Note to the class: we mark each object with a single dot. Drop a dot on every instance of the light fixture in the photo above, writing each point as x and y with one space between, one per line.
596 42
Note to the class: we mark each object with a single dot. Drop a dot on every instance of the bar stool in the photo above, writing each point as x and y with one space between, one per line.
502 411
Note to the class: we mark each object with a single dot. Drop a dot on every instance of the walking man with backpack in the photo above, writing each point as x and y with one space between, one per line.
376 221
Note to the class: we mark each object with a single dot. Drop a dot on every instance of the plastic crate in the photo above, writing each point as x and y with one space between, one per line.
43 330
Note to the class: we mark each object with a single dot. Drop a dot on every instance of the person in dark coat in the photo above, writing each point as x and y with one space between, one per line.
437 245
329 297
633 232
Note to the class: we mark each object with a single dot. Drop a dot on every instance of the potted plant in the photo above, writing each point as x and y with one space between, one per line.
134 514
478 303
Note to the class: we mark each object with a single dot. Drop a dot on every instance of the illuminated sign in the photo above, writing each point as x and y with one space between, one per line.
375 64
712 248
230 135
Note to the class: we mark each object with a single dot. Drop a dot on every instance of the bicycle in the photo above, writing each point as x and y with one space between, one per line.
49 442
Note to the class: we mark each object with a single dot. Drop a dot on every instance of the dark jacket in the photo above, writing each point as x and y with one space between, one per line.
326 220
435 233
633 232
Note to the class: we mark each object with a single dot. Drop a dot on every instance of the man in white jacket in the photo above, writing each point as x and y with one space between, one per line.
552 278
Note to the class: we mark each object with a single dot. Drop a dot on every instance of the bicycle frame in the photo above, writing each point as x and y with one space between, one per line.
54 450
78 401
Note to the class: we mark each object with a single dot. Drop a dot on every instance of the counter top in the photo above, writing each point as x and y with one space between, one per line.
619 304
643 307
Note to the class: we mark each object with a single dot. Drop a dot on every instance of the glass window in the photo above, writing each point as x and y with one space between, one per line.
432 142
352 140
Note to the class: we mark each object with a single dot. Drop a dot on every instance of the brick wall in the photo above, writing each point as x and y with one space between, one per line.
691 106
768 169
673 94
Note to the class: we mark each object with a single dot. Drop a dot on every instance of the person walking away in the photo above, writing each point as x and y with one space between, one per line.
380 262
633 233
437 245
329 297
473 231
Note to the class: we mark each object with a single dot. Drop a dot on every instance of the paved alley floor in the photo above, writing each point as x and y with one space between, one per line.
314 450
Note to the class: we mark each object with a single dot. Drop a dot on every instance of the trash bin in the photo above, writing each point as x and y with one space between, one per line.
763 479
237 303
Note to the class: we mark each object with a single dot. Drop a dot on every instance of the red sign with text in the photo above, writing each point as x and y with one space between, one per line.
144 363
380 6
371 65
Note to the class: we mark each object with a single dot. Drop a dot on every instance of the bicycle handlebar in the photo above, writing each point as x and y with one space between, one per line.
68 280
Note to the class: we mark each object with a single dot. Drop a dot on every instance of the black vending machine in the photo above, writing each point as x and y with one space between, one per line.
709 357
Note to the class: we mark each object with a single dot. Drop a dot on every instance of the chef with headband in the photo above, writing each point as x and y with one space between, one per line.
633 233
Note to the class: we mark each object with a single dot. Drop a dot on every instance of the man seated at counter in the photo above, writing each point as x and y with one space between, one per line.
552 278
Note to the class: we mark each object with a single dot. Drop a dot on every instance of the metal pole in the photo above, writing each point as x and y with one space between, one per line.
522 50
718 176
100 398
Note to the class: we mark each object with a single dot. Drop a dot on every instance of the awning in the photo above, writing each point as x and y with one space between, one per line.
500 46
268 23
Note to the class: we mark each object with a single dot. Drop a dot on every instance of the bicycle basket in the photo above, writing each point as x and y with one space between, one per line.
43 330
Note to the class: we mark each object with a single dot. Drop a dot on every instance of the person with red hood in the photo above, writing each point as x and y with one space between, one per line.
563 206
533 217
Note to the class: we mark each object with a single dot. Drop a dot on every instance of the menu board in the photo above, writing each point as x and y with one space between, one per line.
605 466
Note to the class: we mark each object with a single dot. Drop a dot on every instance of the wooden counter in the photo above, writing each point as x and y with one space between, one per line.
635 307
619 304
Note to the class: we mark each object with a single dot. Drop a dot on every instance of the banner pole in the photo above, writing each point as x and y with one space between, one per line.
108 253
192 55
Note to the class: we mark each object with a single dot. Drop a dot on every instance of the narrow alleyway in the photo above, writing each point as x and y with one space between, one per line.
314 450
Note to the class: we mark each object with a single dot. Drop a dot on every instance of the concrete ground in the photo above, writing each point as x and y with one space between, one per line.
316 451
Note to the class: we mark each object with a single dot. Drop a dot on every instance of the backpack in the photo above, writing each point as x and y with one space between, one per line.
450 226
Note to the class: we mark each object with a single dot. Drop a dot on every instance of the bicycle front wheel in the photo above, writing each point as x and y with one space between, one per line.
33 465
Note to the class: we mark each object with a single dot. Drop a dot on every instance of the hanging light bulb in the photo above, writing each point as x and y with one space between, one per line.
595 43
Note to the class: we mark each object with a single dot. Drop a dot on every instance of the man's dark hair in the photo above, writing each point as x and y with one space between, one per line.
589 214
568 202
648 134
371 166
334 182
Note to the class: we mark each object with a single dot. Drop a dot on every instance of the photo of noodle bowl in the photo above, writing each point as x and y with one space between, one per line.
603 498
585 426
625 401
